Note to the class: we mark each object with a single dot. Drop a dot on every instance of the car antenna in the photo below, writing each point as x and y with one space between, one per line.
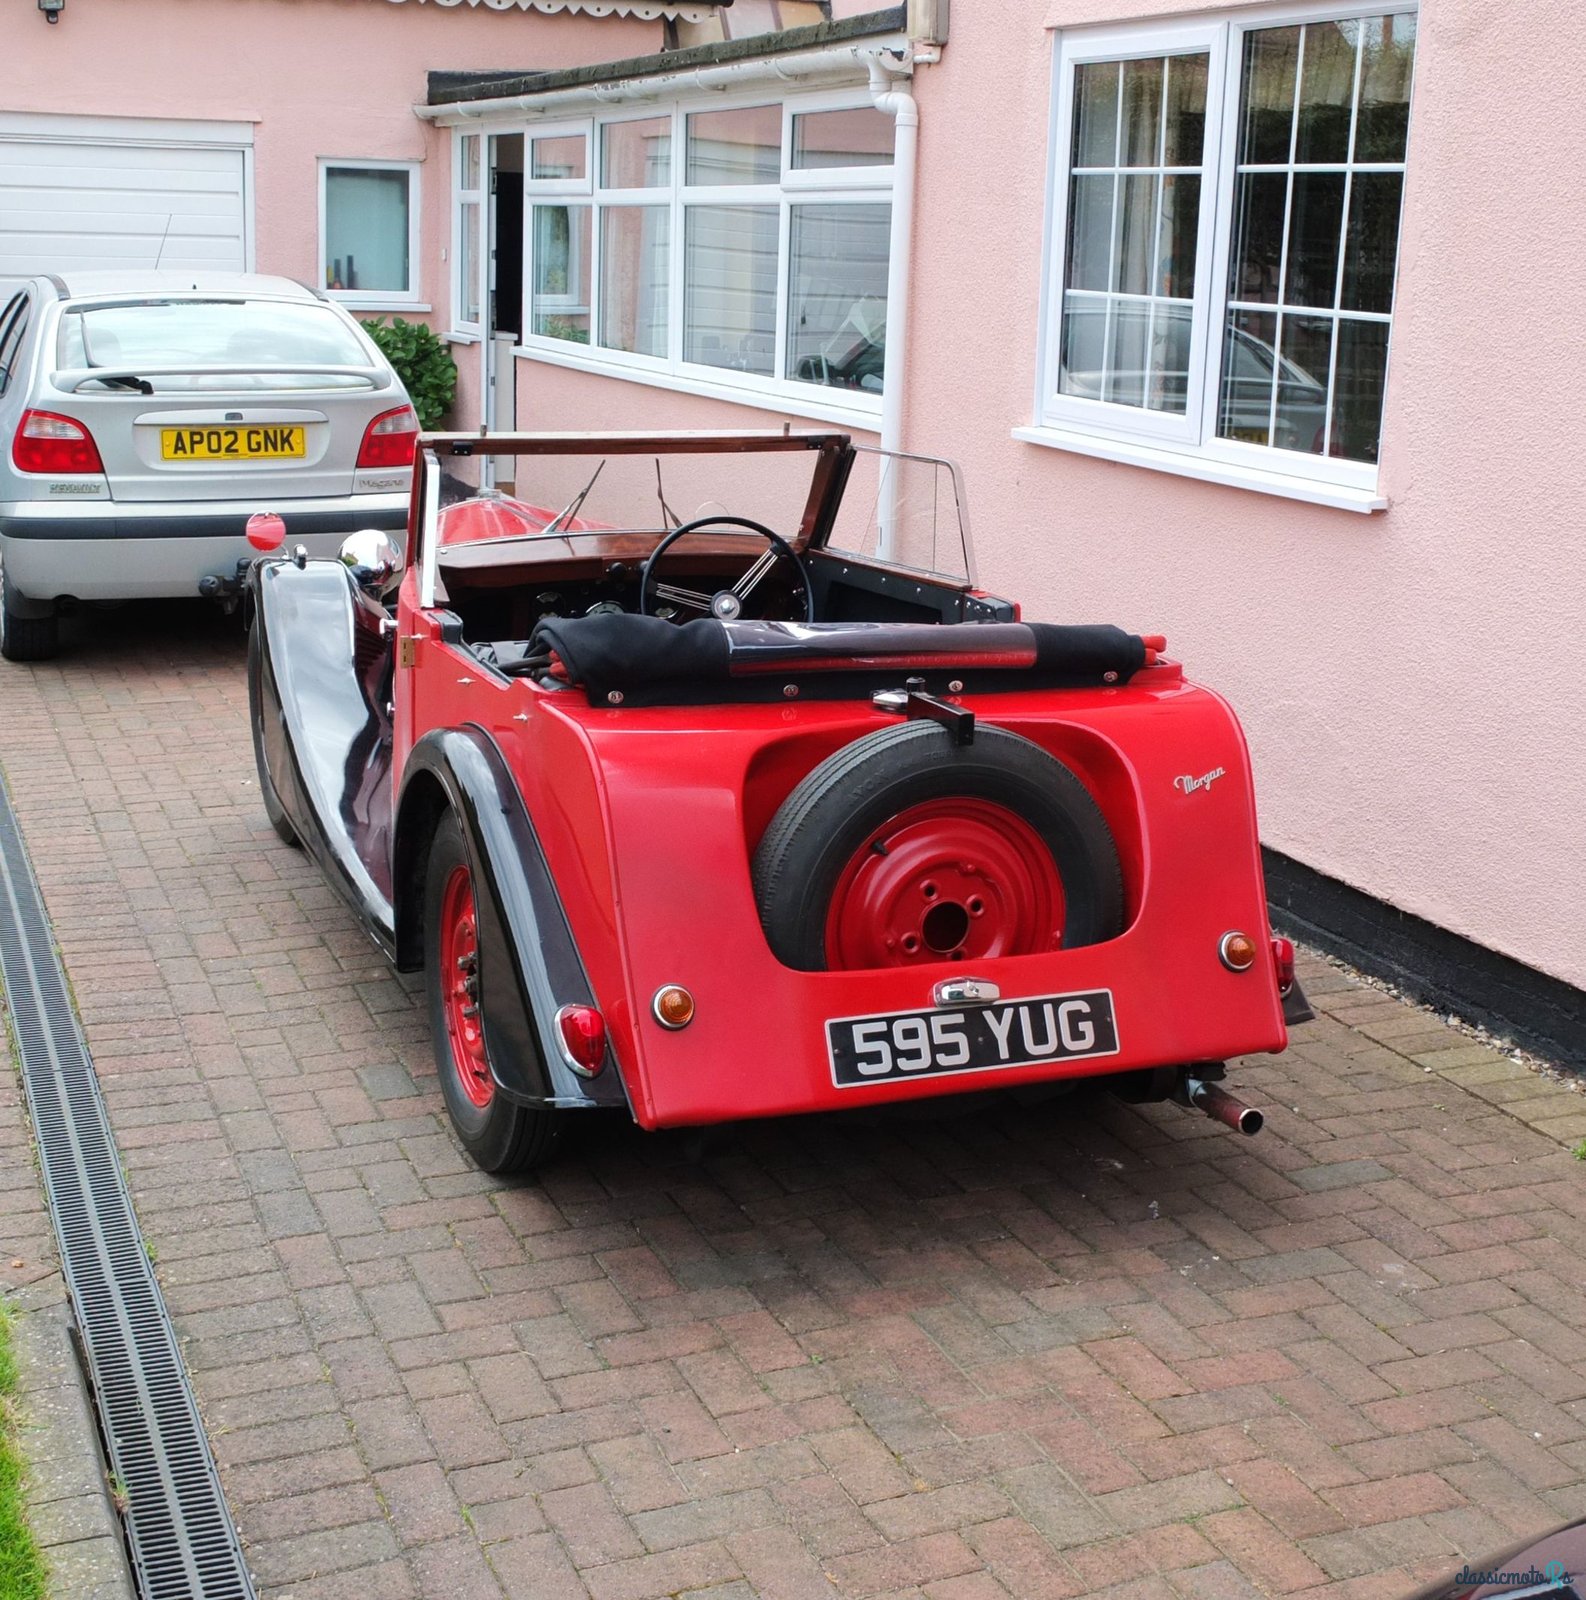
159 255
570 510
671 517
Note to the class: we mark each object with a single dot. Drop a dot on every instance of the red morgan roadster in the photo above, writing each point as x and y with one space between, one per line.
700 780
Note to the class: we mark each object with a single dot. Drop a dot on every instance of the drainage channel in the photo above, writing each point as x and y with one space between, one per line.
183 1543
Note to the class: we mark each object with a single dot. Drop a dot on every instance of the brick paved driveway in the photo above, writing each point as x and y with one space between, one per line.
1089 1350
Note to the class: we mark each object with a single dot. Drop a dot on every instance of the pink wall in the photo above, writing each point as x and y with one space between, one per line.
1418 730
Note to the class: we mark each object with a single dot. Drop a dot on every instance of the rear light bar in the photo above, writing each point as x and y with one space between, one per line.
390 440
46 442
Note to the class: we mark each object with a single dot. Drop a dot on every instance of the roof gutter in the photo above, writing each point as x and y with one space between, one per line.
839 62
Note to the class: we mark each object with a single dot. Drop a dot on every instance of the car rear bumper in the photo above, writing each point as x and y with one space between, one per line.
108 551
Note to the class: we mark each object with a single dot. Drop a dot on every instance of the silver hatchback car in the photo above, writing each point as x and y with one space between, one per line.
145 416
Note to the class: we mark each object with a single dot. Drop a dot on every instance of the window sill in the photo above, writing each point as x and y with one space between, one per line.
781 399
452 336
375 302
1342 497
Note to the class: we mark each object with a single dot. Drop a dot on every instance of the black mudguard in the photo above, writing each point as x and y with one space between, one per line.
322 684
1296 1008
529 965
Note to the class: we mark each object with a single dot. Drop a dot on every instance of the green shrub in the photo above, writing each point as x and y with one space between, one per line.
422 362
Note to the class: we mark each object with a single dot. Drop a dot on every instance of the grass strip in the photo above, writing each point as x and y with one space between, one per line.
22 1575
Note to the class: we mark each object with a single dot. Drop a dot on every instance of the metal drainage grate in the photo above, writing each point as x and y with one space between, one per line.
183 1543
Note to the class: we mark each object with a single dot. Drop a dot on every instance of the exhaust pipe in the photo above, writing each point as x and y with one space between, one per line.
1219 1104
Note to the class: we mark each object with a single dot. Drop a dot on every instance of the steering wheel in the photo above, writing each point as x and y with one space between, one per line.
726 605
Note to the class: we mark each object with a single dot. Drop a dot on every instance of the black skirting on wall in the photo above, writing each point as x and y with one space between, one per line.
1541 1014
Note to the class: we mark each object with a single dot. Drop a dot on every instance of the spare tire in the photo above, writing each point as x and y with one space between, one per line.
904 847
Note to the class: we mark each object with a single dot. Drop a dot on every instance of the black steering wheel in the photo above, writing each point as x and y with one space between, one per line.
726 605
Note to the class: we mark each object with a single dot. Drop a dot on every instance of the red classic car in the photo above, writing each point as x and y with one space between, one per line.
758 809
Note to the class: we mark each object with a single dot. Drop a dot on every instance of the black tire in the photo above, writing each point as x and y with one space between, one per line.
841 804
273 808
500 1137
25 638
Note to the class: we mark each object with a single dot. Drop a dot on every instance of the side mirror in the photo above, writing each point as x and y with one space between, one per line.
373 558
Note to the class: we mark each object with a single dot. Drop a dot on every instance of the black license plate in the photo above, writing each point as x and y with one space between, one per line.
1011 1033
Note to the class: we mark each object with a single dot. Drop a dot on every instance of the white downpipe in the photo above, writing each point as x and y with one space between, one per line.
891 96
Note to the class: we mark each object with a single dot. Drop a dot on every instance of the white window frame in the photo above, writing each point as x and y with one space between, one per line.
840 185
409 299
467 329
1187 445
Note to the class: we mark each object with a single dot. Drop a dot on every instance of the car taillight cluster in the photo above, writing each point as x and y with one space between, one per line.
390 440
45 442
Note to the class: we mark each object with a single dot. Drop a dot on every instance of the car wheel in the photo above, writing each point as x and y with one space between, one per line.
25 638
257 711
498 1134
905 848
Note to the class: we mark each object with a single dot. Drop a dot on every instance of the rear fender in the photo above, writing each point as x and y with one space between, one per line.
529 965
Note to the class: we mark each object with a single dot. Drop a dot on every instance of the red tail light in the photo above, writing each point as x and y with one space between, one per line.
390 440
47 443
583 1031
1283 960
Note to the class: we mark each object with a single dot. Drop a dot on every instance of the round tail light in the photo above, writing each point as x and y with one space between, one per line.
583 1032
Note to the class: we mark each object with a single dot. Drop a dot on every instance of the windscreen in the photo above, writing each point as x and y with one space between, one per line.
213 333
907 511
557 494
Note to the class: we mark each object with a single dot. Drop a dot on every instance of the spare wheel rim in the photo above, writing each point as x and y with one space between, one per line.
959 879
459 976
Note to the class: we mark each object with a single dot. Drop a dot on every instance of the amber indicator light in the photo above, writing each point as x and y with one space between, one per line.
673 1006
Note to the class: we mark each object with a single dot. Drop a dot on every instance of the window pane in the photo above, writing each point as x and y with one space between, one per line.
1327 90
1096 114
1090 232
1307 349
561 272
859 138
1185 128
1258 234
1371 246
635 278
1131 328
1245 407
1142 112
366 229
1358 380
1384 117
837 295
1168 388
558 158
1316 218
469 177
1136 235
636 155
1178 235
741 146
1272 57
729 286
468 264
1084 360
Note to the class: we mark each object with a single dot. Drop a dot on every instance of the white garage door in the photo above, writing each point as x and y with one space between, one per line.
100 192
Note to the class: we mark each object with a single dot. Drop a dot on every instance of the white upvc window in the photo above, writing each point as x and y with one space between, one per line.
369 232
467 231
732 246
1225 205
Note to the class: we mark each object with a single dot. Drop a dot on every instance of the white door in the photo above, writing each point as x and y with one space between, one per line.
120 193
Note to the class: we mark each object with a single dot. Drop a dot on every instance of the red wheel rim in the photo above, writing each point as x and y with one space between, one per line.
949 880
459 956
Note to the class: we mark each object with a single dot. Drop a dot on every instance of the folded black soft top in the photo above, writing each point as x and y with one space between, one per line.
648 660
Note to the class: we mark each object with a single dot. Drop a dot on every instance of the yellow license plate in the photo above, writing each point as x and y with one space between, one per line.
260 442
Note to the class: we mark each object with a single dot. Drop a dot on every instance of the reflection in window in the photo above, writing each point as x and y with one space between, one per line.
743 145
1316 238
559 157
861 137
635 257
636 155
837 295
561 272
367 229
